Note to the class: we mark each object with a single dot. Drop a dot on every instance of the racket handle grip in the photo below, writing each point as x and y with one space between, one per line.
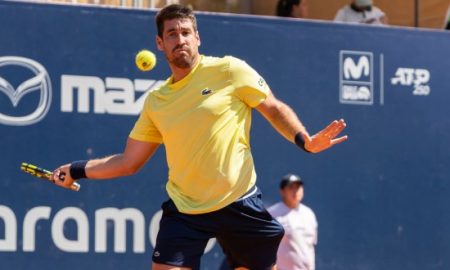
75 187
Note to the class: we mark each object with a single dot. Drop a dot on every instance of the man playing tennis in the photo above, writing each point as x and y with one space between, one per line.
202 115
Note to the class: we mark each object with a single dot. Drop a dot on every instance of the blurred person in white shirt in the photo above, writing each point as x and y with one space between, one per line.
361 11
297 248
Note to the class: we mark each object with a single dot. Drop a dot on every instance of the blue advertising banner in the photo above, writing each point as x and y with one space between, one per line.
69 90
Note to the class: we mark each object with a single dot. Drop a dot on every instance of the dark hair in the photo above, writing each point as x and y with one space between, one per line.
289 179
284 7
174 11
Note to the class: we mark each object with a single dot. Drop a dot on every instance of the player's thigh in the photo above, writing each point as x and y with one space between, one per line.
251 253
179 243
251 236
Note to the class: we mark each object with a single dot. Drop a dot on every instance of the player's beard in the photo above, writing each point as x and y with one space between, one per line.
182 60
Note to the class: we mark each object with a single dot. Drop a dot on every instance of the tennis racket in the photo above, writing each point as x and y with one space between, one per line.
45 174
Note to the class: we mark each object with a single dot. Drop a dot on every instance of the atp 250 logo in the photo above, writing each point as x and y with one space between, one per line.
356 77
34 78
419 78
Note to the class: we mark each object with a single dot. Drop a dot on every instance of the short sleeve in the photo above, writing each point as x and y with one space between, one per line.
249 86
339 16
145 130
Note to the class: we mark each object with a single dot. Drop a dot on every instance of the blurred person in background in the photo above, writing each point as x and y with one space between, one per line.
447 19
297 247
292 8
361 11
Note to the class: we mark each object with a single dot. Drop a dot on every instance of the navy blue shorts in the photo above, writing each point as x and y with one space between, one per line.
247 233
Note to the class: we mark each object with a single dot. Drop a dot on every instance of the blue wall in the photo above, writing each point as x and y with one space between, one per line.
381 198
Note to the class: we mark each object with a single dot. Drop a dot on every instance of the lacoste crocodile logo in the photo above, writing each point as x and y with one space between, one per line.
206 92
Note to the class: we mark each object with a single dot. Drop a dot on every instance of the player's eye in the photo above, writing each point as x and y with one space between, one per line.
186 33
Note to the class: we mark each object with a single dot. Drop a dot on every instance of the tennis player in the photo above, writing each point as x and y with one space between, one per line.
202 115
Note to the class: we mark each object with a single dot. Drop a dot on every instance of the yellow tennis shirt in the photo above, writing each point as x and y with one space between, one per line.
204 122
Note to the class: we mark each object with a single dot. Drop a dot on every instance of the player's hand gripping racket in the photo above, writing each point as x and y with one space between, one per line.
45 174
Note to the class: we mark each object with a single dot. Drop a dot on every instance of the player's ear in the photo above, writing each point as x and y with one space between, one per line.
159 43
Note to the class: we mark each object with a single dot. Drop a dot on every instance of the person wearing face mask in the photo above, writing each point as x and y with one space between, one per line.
361 11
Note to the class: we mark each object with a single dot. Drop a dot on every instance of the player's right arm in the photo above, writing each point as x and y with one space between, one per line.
135 155
142 143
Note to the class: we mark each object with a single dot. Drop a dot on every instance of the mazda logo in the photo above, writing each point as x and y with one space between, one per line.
39 82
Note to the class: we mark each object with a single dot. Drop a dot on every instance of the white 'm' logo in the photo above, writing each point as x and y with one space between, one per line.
356 77
355 71
39 82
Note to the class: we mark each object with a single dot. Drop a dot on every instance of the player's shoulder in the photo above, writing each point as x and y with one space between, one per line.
237 63
234 66
159 85
157 89
224 61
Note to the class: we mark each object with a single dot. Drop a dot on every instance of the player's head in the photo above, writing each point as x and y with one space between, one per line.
177 35
174 11
291 8
291 190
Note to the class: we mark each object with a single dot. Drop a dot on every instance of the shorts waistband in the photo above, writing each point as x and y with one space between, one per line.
249 193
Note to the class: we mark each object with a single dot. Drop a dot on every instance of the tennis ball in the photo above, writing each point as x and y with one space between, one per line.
145 60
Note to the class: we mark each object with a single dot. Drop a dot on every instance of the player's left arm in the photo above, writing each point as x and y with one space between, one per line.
286 122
